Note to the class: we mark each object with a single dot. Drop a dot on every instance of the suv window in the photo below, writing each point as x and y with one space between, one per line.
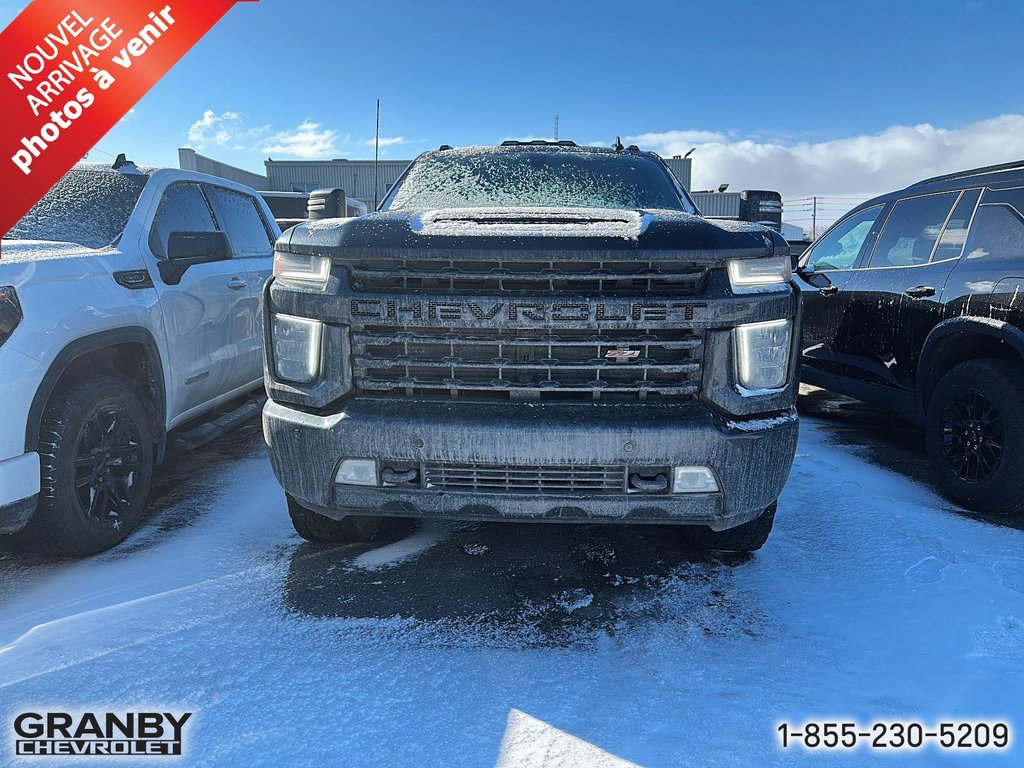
953 236
182 209
241 220
840 247
909 235
998 229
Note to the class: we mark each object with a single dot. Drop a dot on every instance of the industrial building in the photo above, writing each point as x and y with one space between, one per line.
357 178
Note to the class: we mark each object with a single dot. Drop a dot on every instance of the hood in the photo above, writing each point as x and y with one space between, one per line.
42 250
533 233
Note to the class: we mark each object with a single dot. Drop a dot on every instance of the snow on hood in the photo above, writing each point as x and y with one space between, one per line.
42 250
532 222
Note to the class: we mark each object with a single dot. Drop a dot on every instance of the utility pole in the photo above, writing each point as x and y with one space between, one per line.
376 149
814 217
556 127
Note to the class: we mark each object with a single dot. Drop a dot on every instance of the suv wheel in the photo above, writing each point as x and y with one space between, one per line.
351 529
748 537
975 435
96 456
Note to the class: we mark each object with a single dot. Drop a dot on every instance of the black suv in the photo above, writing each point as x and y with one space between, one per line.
914 301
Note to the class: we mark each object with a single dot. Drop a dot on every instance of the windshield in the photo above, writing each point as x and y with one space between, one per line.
512 177
88 206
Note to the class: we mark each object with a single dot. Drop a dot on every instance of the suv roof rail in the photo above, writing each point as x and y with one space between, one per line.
972 172
537 143
444 147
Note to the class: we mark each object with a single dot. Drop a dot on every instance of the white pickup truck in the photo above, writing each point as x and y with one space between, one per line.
129 319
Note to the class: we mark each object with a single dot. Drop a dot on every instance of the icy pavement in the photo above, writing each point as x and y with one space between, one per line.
522 645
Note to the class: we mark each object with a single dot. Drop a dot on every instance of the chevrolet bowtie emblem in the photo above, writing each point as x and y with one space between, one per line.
621 355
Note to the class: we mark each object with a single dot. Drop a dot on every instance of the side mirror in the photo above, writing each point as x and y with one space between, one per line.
189 249
818 280
326 204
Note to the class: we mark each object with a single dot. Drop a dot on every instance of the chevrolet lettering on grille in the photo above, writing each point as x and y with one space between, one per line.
499 311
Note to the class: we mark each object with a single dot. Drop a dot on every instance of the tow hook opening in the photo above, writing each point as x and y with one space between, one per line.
648 482
401 475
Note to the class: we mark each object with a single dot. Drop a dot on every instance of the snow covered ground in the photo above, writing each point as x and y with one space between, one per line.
478 645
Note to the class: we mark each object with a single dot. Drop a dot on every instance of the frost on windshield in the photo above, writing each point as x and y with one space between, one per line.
89 206
513 177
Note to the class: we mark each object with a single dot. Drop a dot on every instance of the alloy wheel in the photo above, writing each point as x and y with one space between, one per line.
108 459
972 436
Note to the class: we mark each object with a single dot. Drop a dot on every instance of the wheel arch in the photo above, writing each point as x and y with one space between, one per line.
960 339
130 352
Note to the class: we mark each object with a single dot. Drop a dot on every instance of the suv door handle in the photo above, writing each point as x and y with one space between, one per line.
237 283
920 291
829 290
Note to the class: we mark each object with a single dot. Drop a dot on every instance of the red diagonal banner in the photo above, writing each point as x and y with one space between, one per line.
70 69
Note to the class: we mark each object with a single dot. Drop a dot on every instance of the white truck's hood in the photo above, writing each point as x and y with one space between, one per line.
39 250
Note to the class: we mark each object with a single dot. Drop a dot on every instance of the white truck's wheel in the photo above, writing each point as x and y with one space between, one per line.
96 455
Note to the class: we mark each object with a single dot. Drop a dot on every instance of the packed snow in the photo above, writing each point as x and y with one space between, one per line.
529 645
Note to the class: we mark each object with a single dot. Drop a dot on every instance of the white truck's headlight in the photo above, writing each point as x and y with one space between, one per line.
762 354
302 269
297 346
751 274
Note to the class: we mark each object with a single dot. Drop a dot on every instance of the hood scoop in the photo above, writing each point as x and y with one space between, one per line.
532 222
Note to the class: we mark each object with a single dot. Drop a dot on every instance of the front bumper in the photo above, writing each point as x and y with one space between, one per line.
750 457
19 489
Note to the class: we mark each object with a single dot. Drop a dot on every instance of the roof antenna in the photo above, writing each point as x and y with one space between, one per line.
121 161
376 148
617 146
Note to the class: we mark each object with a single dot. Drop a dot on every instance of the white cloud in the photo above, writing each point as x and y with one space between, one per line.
387 141
215 129
855 167
308 141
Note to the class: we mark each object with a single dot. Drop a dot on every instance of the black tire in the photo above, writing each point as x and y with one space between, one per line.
96 456
748 537
975 435
351 529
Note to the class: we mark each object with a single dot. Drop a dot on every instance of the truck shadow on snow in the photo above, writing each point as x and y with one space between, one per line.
517 584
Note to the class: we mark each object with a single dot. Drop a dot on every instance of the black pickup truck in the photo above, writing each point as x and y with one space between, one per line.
535 332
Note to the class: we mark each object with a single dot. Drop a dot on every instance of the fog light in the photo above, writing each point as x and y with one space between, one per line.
357 472
762 355
297 342
693 480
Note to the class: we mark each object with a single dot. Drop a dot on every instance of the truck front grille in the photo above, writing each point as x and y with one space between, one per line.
527 365
508 277
499 478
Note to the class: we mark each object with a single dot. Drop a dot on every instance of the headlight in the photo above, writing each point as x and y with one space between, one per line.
762 354
302 269
10 312
297 345
748 274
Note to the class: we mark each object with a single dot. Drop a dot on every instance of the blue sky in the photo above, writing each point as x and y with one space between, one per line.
808 97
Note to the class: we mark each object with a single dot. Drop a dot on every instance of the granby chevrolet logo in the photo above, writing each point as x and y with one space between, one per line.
512 311
48 734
